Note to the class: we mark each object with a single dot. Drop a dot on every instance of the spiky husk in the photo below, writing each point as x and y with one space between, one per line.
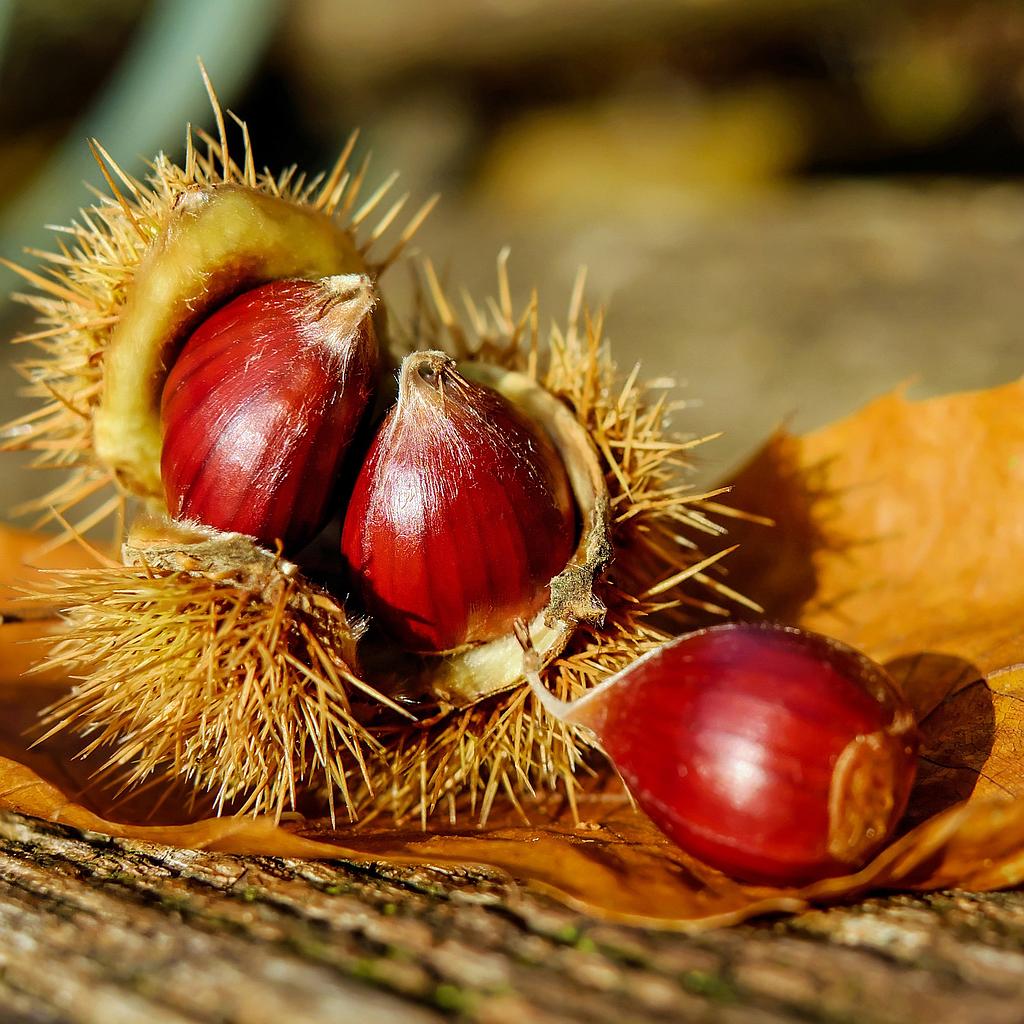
81 288
455 762
507 745
250 697
245 693
193 676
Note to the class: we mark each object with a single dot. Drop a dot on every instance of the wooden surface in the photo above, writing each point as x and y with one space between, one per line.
100 930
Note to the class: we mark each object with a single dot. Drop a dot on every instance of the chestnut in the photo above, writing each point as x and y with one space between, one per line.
262 404
461 514
776 755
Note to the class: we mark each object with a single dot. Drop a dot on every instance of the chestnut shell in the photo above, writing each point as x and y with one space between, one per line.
460 516
261 406
777 755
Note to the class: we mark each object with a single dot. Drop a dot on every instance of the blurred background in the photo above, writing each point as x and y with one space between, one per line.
789 205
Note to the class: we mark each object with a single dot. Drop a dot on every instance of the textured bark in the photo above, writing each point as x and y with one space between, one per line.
102 930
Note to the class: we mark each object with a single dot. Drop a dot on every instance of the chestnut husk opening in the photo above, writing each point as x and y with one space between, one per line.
209 253
219 241
460 678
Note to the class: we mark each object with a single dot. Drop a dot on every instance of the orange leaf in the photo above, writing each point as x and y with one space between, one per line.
898 532
898 529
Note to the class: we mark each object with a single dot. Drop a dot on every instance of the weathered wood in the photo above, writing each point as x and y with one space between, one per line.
102 930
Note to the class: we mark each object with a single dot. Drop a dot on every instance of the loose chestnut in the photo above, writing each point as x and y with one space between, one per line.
461 515
776 755
262 404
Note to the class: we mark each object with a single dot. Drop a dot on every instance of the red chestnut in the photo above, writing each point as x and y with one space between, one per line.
776 755
261 406
461 514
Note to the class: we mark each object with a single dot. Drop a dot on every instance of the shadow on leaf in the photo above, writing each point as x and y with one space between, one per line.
956 717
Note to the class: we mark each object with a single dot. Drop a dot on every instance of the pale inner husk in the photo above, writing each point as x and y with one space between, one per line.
218 240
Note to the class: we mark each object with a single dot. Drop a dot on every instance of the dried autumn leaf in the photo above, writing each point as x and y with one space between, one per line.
893 535
583 865
897 529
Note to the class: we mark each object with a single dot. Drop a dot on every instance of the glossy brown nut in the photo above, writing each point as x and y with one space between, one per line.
461 514
262 405
776 755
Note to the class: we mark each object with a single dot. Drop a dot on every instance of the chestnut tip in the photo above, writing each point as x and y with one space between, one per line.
429 367
358 289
